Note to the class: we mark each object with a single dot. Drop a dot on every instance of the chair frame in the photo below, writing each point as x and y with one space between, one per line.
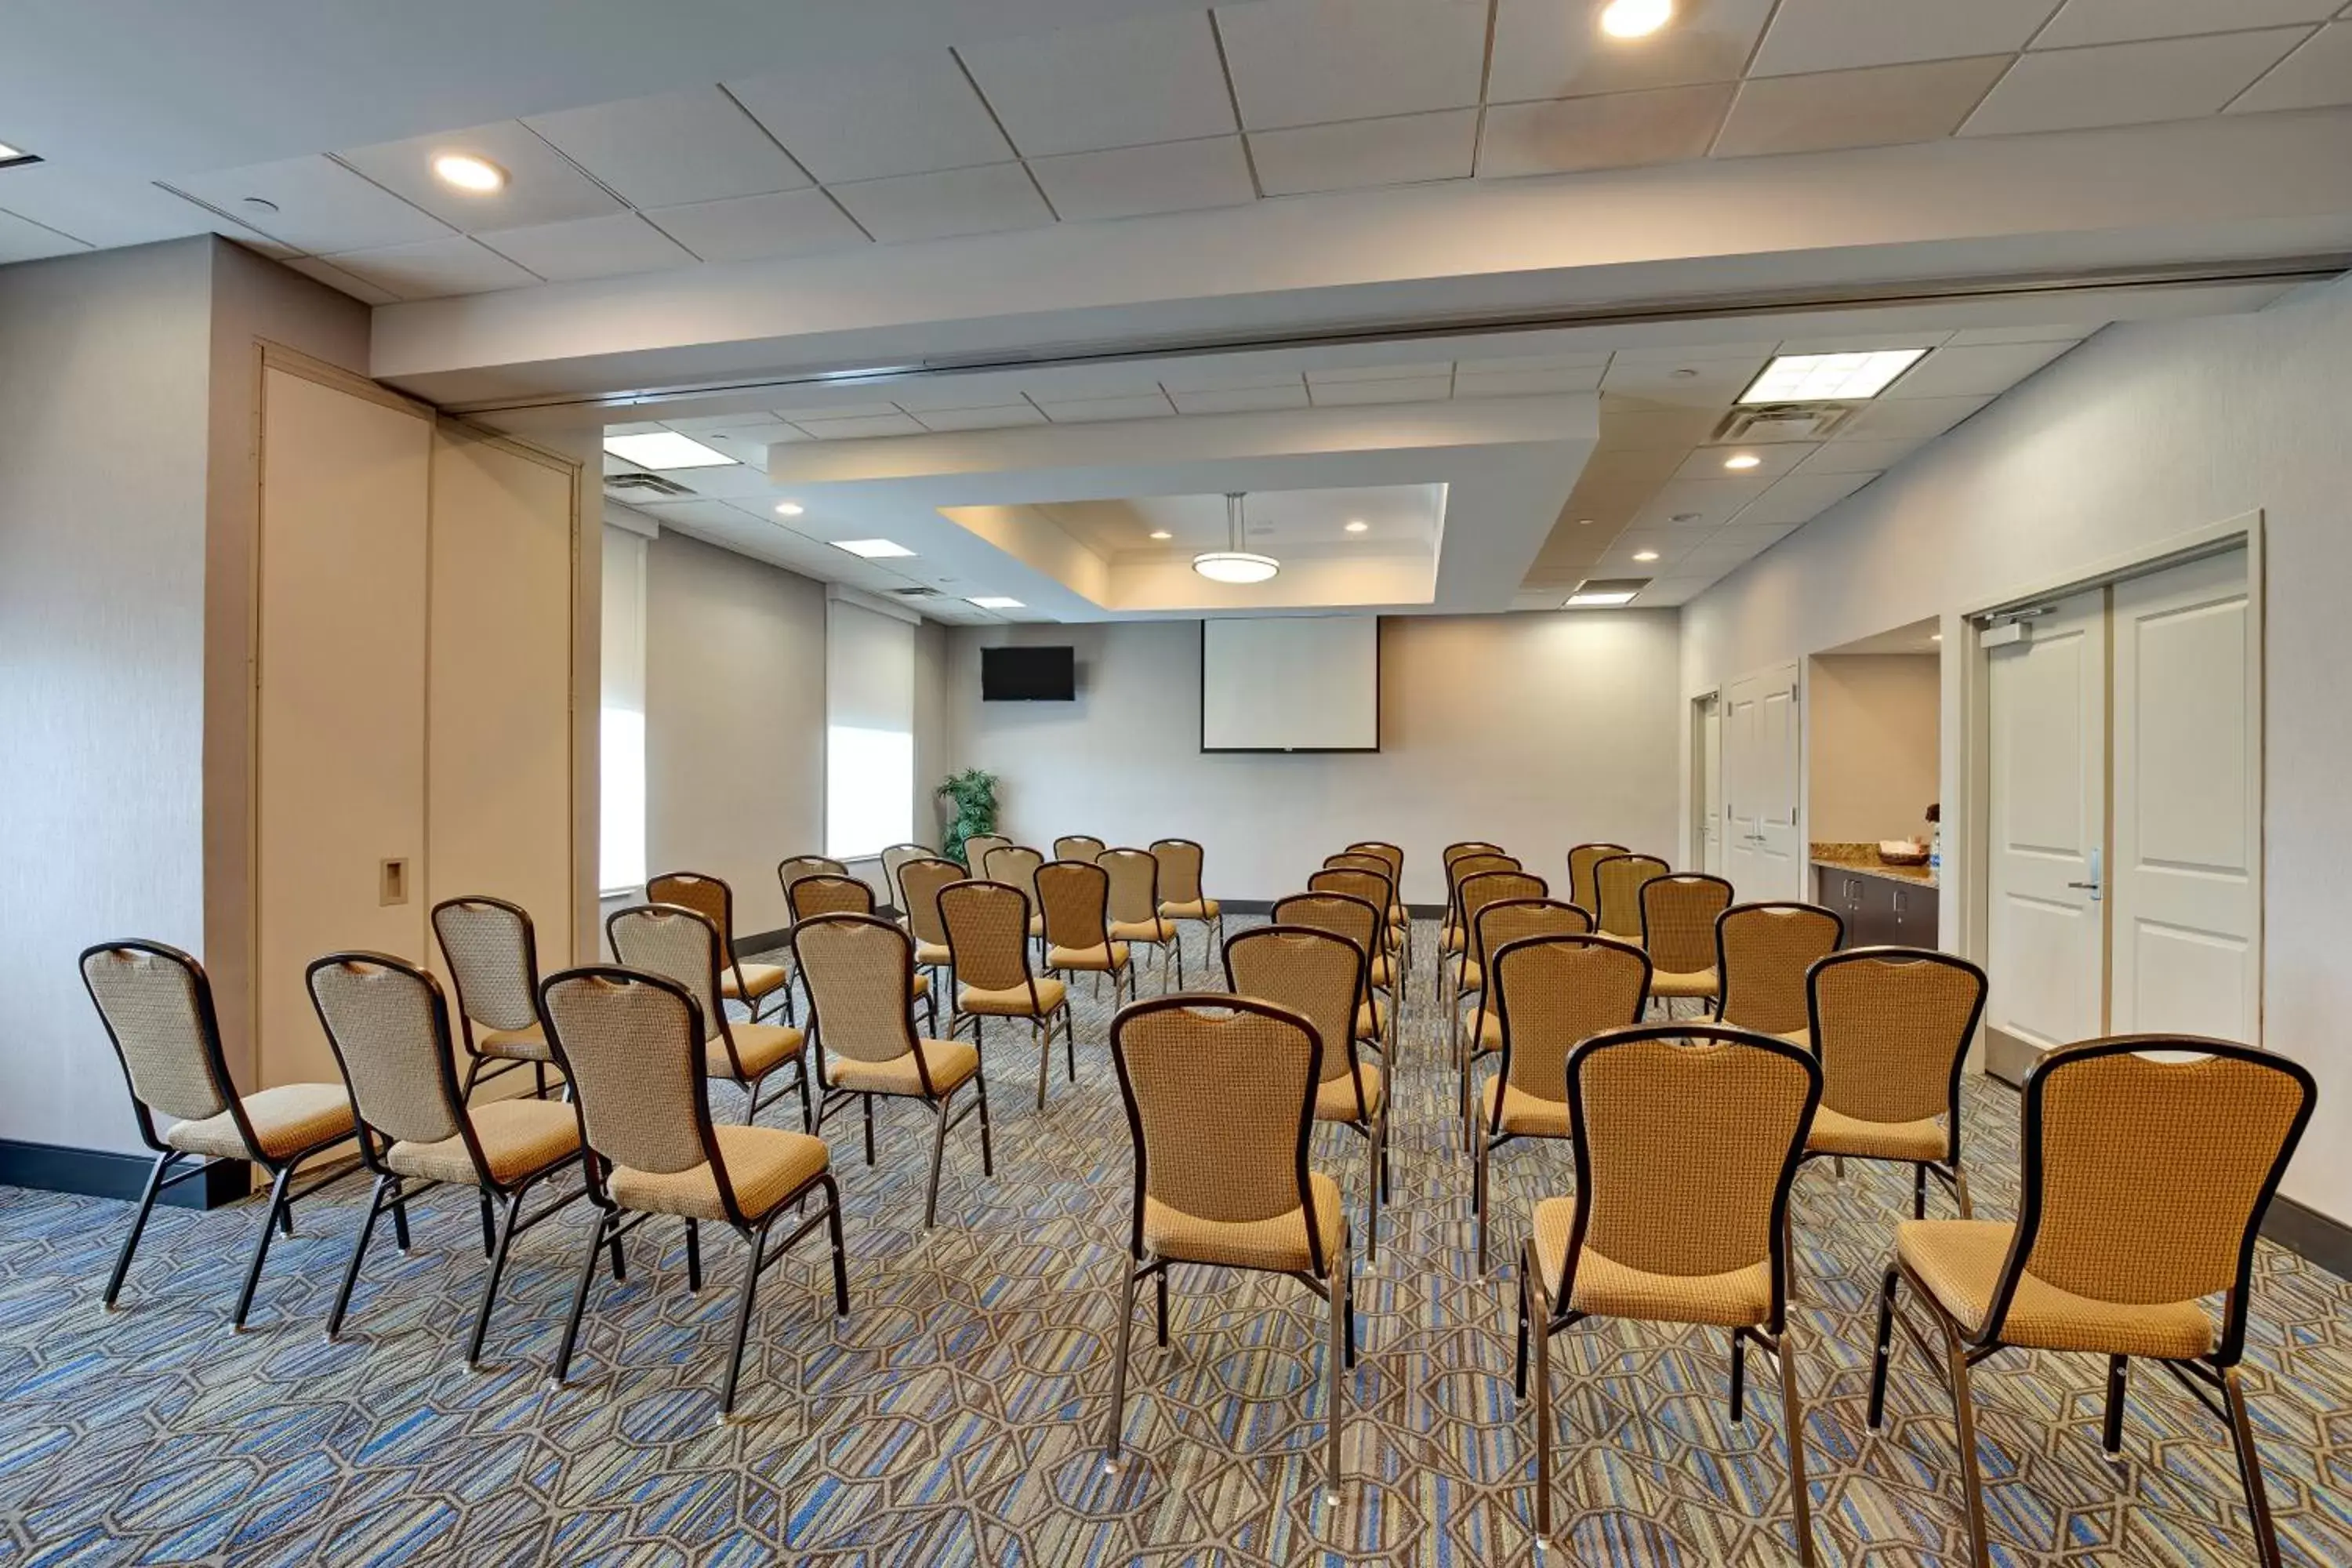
939 976
1213 927
1328 1255
1731 902
2203 1376
283 1193
1775 1338
475 1057
1384 945
1597 851
1467 1058
940 1105
1722 965
1455 937
1394 858
730 963
754 1088
393 1191
1041 1017
1125 970
893 856
1458 1045
1059 854
1641 916
1378 1039
1174 943
610 1228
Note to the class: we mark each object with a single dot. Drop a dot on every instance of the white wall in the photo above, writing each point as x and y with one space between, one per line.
1871 758
1539 731
2146 432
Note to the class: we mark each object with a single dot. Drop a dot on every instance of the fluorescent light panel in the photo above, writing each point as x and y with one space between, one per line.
872 549
995 601
1594 592
1830 378
665 449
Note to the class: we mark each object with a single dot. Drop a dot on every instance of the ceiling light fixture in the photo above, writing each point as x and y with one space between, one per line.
873 549
1830 378
1595 593
1744 460
468 173
1235 564
788 508
1645 556
995 601
665 449
10 155
1935 636
1358 525
1161 533
1635 19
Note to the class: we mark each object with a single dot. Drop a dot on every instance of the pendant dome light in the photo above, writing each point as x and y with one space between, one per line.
1235 565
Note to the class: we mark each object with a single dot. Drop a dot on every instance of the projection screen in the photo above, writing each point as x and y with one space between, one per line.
1292 683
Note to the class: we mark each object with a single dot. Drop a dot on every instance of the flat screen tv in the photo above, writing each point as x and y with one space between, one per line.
1028 675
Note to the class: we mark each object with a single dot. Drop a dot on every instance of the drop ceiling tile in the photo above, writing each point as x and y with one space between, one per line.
1891 418
1864 456
1682 354
1403 151
1111 84
1838 34
954 201
798 413
433 267
322 205
2128 84
1686 504
1390 389
1620 130
22 239
1423 371
1666 592
1974 371
694 424
334 277
1757 536
2315 76
2079 22
751 229
2056 332
1544 49
542 185
1644 426
673 148
1800 497
1774 460
904 114
996 416
1488 380
1088 410
1692 384
1503 359
1128 182
1242 400
1880 106
590 248
856 426
1306 62
110 210
1224 372
1863 342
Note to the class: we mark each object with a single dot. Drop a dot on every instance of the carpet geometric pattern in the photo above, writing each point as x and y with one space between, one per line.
955 1416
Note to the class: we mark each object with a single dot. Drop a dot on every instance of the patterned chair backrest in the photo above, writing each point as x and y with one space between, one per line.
1389 853
919 882
1017 863
1077 846
826 894
1554 993
1617 882
1764 952
799 866
1133 893
976 848
1891 1026
680 945
493 957
1581 861
894 859
1180 870
988 932
1373 887
1075 897
1490 887
858 971
1315 974
389 1029
706 896
628 1045
1678 915
1343 914
157 1007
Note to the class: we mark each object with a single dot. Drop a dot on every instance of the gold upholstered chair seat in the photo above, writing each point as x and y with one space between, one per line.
1036 925
1162 929
517 1137
1104 956
1836 1134
1372 1019
515 1045
286 1120
1191 910
760 1046
950 1064
919 986
765 1165
1692 983
759 980
1523 1114
1471 976
1959 1262
1014 1001
1488 1032
1450 940
1606 1287
1801 1038
1335 1098
1279 1242
1383 971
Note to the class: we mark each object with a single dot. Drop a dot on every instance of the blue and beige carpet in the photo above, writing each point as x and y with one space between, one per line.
955 1416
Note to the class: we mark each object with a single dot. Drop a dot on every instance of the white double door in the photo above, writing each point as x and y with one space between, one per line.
1761 743
2125 813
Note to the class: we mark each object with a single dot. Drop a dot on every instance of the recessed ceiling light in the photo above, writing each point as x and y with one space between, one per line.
1584 522
665 449
468 173
1833 378
261 205
1687 516
995 601
1645 556
872 549
788 508
1744 460
1358 525
1161 533
1596 592
1935 636
1635 19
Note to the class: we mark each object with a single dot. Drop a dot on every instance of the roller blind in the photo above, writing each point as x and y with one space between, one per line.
621 782
869 736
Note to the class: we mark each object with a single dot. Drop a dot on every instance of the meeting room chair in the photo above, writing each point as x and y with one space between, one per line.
1220 1094
492 952
1686 1137
1357 920
858 970
1617 884
824 894
1180 898
1075 898
388 1025
1394 926
1763 953
632 1045
988 926
792 870
683 945
1451 933
1469 965
976 848
1017 865
920 878
751 983
1582 890
1891 1027
1399 917
1454 942
2144 1178
1078 846
1551 994
1387 974
156 1002
1132 902
1320 977
1678 915
1500 924
894 859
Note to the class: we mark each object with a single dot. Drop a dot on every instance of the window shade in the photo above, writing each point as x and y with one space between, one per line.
621 778
869 737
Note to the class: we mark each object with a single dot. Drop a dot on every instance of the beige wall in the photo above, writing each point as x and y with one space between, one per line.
1871 746
1539 731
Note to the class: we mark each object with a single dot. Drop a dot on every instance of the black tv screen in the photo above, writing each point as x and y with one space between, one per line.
1028 675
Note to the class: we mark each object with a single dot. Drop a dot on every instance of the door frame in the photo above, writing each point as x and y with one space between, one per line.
1973 813
1695 850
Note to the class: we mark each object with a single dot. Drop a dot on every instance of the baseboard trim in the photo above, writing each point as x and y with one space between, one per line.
763 942
2008 1058
103 1174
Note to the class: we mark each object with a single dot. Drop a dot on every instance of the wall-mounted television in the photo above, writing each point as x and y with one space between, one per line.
1028 675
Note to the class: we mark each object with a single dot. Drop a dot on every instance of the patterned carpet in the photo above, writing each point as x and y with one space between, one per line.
955 1416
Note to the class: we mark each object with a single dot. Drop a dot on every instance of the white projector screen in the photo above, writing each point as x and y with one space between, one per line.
1295 683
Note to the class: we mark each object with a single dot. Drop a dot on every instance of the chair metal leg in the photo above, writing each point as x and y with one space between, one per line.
1540 1315
869 1127
1964 1411
1069 1041
2250 1467
1738 1376
1886 1348
2111 1430
1336 1358
1519 1352
1793 1417
752 1262
1044 1032
840 1253
358 1251
269 1219
693 1256
490 1226
1960 1193
491 1279
1918 1192
580 1294
1374 1155
938 1153
987 1149
1160 1282
1111 1433
163 1162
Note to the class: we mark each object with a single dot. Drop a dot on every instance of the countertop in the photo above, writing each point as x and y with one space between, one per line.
1862 860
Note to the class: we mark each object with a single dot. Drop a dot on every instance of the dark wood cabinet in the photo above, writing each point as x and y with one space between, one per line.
1879 911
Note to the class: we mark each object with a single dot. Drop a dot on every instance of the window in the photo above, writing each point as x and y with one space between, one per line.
869 730
621 775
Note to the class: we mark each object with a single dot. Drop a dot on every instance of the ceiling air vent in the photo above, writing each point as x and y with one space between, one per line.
642 485
1784 422
914 593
